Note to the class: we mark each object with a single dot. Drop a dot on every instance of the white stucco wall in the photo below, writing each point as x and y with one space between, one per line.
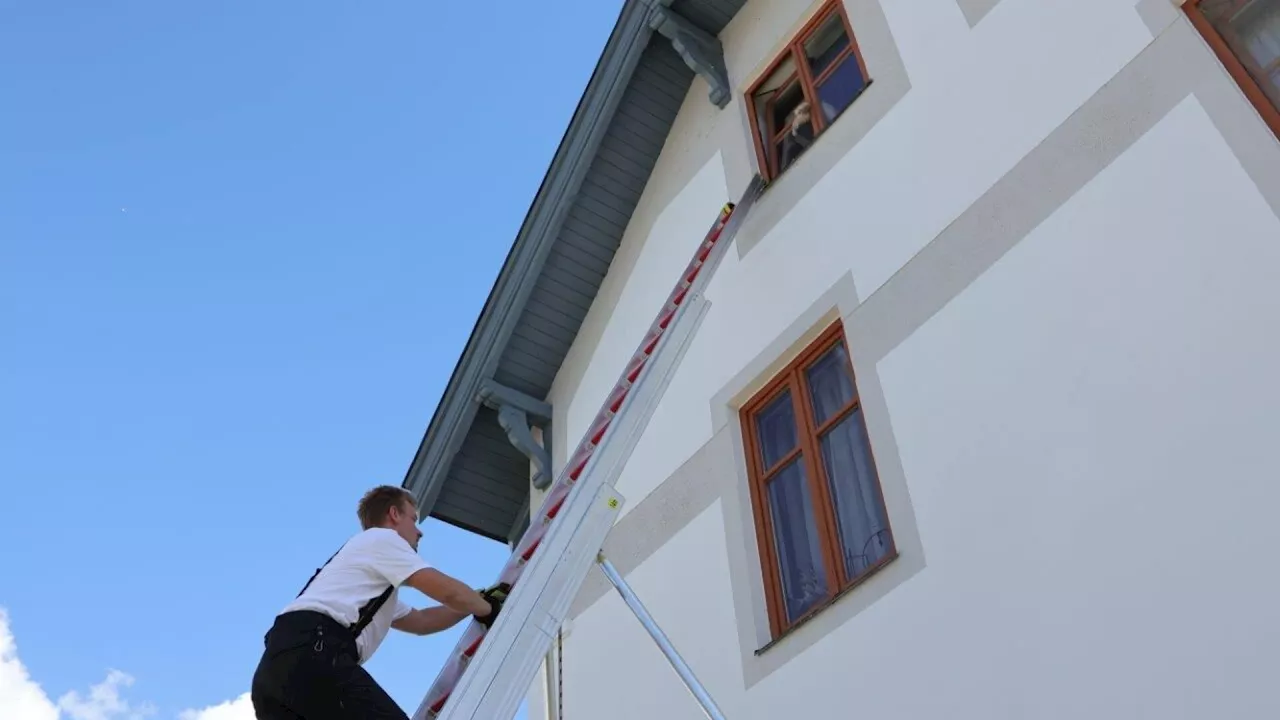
1092 464
881 203
945 144
1087 435
1085 430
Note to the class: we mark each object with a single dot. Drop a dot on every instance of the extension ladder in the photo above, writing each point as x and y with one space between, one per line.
489 671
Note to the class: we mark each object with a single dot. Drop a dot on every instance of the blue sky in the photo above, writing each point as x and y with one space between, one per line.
243 244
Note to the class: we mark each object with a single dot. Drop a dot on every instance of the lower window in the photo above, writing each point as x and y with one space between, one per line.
820 513
1245 34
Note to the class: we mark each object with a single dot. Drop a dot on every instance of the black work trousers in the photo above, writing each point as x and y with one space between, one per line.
310 671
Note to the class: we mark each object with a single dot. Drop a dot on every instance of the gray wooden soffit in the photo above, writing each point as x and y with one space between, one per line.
700 50
517 413
493 329
472 467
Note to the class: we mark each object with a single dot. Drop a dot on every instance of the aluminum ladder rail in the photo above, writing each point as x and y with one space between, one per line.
488 672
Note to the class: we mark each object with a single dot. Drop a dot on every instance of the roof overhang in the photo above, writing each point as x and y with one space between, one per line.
495 391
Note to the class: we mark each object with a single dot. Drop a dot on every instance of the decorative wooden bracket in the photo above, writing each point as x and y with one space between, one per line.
700 50
517 414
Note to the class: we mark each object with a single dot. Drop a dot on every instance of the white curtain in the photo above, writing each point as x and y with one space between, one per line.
864 535
846 459
795 532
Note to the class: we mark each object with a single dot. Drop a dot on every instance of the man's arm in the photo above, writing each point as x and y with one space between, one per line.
428 620
396 561
447 591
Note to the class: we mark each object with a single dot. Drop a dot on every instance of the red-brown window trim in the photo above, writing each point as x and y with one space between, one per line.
1270 114
795 49
792 378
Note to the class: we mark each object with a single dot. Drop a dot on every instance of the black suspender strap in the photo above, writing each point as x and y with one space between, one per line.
317 572
367 611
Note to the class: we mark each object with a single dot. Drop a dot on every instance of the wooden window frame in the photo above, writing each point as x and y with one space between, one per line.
792 378
795 50
1270 114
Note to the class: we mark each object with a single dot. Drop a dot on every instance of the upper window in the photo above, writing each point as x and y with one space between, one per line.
1245 34
820 515
806 88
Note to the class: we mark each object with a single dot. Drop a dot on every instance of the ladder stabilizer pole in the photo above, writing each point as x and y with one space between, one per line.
681 667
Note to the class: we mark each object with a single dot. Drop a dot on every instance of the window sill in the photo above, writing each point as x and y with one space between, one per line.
821 608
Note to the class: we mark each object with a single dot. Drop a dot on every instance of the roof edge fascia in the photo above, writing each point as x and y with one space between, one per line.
458 404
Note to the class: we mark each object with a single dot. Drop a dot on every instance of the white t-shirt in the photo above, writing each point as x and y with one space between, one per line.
360 572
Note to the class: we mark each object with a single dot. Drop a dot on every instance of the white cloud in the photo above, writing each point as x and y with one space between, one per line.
239 709
104 701
22 698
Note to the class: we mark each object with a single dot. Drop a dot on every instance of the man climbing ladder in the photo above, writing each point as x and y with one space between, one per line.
311 666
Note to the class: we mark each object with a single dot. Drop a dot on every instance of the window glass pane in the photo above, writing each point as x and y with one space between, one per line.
839 89
825 44
1251 28
776 430
784 107
864 531
795 541
776 97
830 384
